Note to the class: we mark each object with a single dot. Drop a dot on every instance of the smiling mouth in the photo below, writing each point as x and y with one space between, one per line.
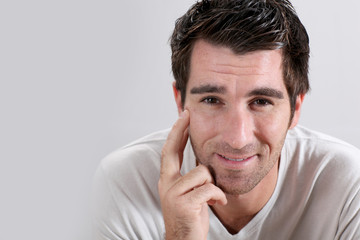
233 159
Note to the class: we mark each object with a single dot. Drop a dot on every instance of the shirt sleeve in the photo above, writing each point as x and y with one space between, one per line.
349 224
126 201
107 221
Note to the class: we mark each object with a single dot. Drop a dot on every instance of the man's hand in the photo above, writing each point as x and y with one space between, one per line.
185 199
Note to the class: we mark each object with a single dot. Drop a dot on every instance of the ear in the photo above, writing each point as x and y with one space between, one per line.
177 96
298 104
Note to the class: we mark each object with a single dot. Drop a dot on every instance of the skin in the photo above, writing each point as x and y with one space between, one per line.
237 107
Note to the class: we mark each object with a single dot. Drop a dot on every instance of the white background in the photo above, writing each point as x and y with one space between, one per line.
79 79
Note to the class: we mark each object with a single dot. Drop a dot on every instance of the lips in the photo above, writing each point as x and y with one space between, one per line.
236 162
234 159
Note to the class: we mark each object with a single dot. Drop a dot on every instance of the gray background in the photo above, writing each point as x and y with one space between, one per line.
82 78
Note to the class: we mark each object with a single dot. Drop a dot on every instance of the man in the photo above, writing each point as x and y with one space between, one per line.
234 165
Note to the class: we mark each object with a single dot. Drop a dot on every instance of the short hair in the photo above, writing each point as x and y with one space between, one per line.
244 26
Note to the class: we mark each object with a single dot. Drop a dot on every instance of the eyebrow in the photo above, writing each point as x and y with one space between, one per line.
264 91
208 89
268 92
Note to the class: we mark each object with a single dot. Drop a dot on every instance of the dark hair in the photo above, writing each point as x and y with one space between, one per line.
244 26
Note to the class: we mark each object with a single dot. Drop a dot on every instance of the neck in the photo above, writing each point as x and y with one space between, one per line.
241 209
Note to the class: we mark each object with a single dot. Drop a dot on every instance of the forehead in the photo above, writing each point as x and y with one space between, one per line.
211 62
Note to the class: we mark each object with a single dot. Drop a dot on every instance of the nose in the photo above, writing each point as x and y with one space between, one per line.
238 130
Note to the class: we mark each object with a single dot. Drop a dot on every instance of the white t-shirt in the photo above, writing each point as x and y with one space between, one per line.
317 195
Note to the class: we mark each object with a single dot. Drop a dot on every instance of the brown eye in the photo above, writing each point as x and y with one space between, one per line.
262 102
211 100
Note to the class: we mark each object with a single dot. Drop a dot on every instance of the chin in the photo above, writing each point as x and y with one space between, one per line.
238 182
235 190
236 186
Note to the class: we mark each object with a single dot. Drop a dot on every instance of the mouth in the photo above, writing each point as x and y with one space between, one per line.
235 163
235 159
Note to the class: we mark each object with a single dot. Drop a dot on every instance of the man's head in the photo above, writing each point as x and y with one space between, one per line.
244 26
241 70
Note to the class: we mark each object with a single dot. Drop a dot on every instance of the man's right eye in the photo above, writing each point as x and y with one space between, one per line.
211 100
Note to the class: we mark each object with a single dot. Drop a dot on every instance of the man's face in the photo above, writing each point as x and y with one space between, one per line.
239 114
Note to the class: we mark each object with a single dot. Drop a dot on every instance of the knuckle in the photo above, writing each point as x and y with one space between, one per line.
167 188
209 187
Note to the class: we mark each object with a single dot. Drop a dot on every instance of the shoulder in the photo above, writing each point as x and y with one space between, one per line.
324 160
125 188
309 143
321 181
138 155
136 166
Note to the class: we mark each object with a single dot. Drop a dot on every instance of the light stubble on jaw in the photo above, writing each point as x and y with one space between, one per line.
213 173
249 185
227 183
226 149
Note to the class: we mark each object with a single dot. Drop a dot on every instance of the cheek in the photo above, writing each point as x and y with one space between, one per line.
202 126
272 129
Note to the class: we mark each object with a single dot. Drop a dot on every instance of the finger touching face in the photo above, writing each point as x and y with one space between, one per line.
172 151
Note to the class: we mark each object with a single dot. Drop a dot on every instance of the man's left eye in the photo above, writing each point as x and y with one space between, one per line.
262 102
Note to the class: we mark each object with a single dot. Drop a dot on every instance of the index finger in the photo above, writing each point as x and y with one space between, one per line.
172 152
